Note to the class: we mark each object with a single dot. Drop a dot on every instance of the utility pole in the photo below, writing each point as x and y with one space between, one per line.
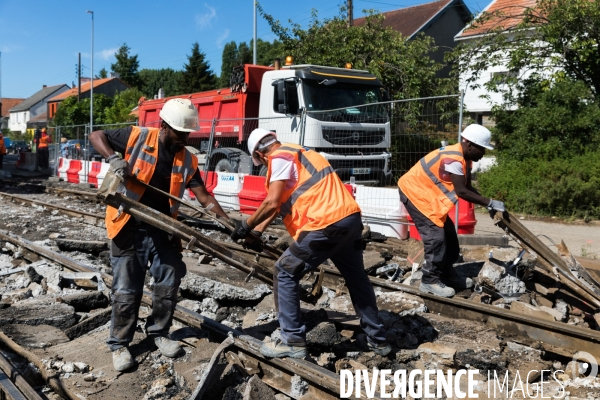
350 13
79 79
254 52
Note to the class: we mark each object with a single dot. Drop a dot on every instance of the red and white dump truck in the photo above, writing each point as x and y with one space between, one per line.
329 110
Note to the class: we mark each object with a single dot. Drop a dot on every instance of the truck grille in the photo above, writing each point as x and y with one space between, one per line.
354 137
373 164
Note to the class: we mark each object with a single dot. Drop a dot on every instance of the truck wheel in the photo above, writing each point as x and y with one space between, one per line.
263 171
224 166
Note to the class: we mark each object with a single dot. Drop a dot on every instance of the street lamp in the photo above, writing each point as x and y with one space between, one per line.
91 95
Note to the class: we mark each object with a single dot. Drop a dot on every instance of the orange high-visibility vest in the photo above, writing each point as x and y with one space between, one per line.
142 156
318 199
44 140
428 186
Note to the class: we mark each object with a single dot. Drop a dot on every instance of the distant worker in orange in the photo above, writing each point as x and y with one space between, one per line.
43 154
2 151
429 190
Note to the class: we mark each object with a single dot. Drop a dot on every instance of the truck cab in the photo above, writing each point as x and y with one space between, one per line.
341 120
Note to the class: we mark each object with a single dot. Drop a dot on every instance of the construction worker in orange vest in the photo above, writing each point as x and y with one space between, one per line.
158 157
429 190
325 222
43 153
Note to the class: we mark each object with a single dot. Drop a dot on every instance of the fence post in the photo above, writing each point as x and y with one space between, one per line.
460 116
210 145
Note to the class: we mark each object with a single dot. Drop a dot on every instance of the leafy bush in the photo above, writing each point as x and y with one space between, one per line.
568 187
560 121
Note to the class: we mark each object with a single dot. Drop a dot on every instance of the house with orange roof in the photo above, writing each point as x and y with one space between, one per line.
106 86
6 104
500 16
441 20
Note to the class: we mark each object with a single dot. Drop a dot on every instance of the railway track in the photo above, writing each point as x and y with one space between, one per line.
555 337
562 338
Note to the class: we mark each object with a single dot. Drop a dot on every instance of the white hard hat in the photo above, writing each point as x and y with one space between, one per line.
480 135
256 136
181 115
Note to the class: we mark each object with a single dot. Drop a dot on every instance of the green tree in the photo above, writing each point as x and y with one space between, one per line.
228 61
197 75
122 105
72 112
267 52
127 66
165 78
102 74
403 66
552 40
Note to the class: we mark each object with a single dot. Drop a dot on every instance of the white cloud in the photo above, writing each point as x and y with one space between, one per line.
107 54
222 38
204 20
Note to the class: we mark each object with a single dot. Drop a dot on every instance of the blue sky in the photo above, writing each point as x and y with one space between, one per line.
40 39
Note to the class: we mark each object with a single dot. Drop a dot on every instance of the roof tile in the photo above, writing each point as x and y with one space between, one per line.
510 14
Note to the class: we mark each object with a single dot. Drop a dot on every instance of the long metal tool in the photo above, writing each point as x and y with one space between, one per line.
552 261
215 217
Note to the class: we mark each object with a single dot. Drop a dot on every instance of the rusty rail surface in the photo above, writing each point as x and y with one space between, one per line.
94 219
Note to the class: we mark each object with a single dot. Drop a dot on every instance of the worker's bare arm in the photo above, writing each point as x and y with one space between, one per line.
462 191
206 200
101 144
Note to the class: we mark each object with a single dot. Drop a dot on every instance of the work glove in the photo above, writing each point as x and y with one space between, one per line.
240 231
118 166
254 241
495 205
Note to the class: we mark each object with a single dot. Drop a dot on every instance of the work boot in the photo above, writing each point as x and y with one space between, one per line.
168 348
457 282
383 349
122 359
438 289
278 349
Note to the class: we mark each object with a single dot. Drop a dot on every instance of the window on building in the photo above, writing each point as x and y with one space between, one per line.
503 77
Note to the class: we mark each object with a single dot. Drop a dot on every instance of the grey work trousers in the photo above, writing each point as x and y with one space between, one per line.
341 242
440 244
136 246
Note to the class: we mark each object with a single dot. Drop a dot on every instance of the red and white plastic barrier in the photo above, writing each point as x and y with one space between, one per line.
382 210
73 171
252 194
64 165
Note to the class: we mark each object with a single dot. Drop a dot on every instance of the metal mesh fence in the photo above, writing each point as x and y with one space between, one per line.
372 144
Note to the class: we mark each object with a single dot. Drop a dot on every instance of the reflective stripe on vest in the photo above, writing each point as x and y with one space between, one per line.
319 197
451 194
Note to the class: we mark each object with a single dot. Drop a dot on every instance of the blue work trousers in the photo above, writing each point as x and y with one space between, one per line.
137 248
341 243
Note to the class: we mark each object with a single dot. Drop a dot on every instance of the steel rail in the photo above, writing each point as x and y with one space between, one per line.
16 377
69 211
559 335
8 390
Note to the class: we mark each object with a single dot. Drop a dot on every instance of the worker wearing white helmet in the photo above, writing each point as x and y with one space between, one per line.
325 222
429 190
158 157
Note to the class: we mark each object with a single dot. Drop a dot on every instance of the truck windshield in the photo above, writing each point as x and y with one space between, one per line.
345 96
321 97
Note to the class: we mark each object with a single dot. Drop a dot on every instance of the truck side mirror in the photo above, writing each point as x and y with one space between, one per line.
280 103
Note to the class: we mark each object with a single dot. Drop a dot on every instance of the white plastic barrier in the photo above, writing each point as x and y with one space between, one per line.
382 211
62 171
227 190
84 172
102 174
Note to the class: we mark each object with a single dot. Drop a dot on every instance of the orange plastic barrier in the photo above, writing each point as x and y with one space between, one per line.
252 194
73 171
